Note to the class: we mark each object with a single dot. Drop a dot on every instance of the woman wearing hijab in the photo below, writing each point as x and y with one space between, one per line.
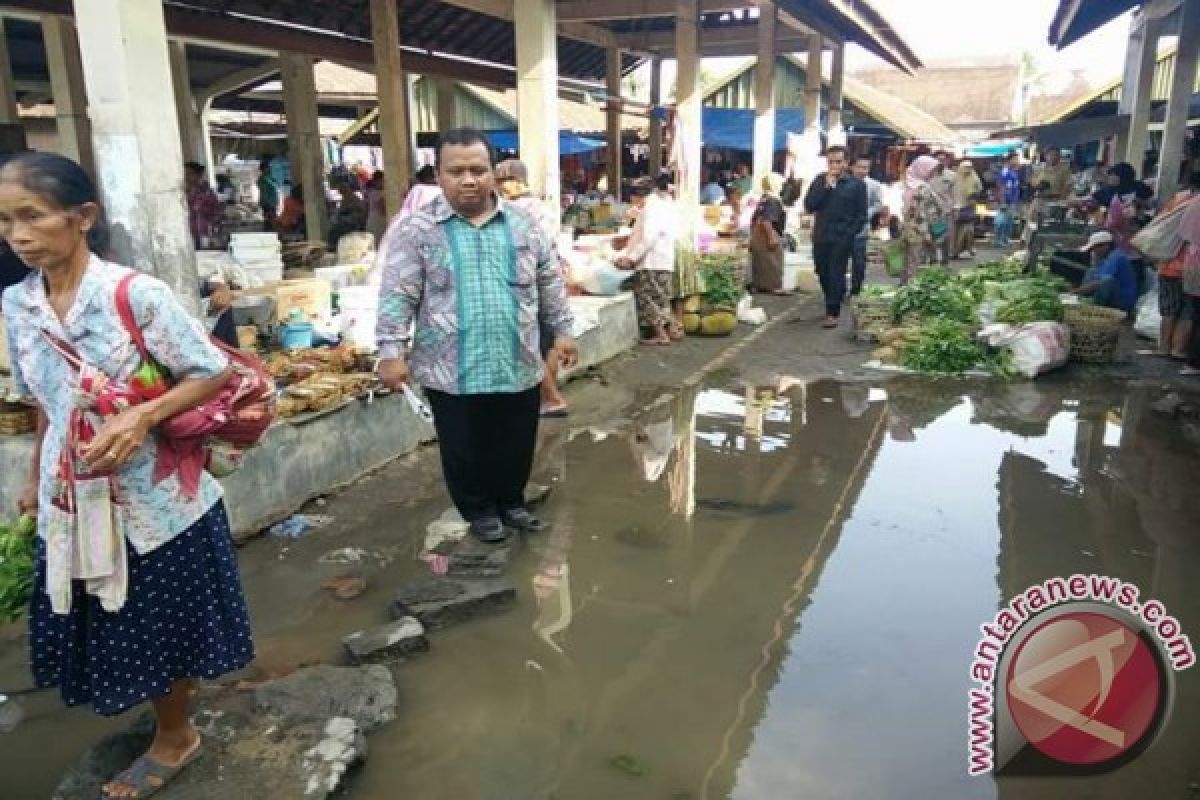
967 188
766 238
1120 199
922 215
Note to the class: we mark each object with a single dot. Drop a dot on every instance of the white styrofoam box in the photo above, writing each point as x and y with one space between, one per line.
262 275
358 298
213 264
358 328
260 239
791 276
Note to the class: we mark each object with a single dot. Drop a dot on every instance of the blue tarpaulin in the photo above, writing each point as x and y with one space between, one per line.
996 149
733 128
569 144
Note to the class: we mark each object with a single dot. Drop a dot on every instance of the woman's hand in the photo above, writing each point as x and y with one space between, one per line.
118 440
27 501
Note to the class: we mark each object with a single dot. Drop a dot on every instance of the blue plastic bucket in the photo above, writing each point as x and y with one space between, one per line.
296 335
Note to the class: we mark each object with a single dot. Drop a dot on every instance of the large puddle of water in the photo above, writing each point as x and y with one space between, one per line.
776 592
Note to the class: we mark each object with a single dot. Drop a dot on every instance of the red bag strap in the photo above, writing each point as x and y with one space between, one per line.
125 312
64 349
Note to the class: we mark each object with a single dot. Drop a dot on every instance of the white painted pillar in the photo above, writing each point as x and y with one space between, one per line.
447 103
837 80
8 88
535 22
656 128
410 120
1182 81
689 96
806 152
68 87
764 93
612 85
123 49
1140 58
394 136
304 139
191 126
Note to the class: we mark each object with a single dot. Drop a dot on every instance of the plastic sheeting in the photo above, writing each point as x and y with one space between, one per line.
569 144
733 128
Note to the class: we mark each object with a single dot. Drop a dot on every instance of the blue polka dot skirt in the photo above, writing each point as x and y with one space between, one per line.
184 617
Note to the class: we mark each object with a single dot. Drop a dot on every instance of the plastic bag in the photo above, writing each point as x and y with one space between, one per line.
604 280
1149 319
894 255
1036 347
1159 241
746 312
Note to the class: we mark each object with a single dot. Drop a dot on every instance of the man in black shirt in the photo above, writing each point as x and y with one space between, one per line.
838 202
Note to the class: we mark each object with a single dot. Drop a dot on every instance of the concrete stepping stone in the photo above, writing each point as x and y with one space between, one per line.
386 643
441 602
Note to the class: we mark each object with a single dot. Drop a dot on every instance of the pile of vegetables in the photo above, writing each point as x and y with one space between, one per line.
720 273
17 552
941 310
943 345
935 292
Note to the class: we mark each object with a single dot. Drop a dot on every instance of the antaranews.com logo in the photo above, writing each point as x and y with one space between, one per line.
1075 676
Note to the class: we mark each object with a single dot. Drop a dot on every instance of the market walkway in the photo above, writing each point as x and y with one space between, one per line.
765 580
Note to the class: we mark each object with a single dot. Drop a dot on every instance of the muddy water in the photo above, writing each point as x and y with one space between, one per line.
759 594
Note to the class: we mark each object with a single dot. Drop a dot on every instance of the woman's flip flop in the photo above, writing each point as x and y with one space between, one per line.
147 777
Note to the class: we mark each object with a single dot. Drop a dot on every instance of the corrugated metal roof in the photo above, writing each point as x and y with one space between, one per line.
1164 71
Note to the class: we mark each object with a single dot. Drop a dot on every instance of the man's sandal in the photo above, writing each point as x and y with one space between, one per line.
146 777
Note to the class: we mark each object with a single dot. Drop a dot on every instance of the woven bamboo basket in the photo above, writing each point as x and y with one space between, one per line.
1094 332
872 316
16 419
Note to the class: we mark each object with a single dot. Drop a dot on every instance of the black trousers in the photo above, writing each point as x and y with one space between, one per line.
831 260
858 264
487 443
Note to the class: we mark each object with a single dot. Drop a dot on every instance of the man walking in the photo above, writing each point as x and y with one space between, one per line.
477 277
1008 190
858 270
839 203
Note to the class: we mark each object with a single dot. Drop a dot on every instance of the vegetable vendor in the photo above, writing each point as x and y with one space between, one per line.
1111 281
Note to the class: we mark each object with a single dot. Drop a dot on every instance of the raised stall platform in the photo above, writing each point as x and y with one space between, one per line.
300 460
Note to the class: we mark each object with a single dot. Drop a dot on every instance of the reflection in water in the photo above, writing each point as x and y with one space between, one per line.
775 592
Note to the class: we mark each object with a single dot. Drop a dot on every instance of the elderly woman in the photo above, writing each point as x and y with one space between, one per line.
923 223
766 239
136 591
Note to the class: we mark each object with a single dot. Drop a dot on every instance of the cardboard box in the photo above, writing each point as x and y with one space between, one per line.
312 296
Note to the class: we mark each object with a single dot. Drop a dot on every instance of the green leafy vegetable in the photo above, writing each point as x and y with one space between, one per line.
17 550
720 276
943 346
935 292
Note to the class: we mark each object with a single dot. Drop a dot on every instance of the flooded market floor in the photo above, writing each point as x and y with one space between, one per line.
756 594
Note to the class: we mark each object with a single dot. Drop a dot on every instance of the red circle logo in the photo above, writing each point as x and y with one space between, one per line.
1084 688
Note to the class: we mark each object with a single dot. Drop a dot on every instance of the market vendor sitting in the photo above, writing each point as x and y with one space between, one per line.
1111 281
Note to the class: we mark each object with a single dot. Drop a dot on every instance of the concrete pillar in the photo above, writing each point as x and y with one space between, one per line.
67 86
1182 81
837 79
689 96
447 103
410 115
123 50
535 22
806 148
304 139
191 125
656 130
612 85
1140 58
393 103
764 93
8 88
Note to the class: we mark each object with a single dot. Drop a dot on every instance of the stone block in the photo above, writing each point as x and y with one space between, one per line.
386 643
473 559
442 602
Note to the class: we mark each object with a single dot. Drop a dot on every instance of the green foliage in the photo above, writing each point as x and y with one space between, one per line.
1029 300
943 346
719 273
17 550
976 280
935 292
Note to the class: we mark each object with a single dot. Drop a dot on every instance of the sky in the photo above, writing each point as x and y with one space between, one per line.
941 30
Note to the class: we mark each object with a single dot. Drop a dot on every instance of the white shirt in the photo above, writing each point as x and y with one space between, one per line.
652 243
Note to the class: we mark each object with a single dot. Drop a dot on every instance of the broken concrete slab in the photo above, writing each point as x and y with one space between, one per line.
290 744
442 602
474 559
365 694
391 642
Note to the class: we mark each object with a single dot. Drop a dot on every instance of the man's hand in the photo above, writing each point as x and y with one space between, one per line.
394 373
566 351
623 263
831 180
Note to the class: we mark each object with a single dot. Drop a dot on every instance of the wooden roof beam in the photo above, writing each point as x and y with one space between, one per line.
784 46
660 41
503 9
